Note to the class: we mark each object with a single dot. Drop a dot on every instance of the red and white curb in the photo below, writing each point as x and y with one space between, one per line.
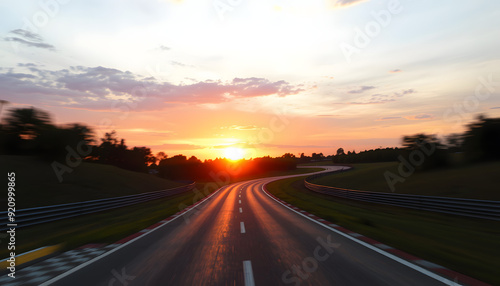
447 276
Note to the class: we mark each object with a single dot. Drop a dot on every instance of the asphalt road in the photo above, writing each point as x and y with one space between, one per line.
241 236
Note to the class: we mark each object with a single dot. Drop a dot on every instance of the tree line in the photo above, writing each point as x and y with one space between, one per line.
31 131
479 143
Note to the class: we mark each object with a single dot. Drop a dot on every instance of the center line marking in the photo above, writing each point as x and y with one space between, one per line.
241 210
247 270
242 226
240 201
240 196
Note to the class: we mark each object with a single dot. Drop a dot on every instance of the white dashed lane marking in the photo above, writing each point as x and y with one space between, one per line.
247 270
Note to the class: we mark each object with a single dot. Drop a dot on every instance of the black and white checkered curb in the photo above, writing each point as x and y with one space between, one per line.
45 270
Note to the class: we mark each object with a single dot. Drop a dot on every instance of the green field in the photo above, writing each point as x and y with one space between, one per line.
469 246
37 183
478 181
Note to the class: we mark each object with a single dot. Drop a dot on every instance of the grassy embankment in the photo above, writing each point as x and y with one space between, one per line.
479 181
469 246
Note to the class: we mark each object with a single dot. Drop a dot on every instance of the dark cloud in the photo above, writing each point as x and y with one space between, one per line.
29 39
361 89
395 71
496 107
27 35
20 75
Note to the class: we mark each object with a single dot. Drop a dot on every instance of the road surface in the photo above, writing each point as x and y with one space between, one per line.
241 236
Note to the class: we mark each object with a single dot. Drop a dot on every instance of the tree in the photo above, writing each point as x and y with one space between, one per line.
482 139
288 156
110 151
27 123
340 151
428 147
419 141
161 155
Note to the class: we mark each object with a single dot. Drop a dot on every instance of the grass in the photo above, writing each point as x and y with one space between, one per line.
37 183
479 181
469 246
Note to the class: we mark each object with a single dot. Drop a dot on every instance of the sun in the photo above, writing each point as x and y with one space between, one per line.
234 153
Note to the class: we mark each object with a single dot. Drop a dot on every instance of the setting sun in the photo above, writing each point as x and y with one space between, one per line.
234 153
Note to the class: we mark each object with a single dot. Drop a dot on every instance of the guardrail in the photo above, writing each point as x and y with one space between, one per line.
464 207
39 215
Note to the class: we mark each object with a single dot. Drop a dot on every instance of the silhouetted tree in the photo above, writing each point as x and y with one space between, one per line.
435 155
482 140
288 156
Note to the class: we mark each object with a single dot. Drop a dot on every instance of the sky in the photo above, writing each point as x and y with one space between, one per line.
267 77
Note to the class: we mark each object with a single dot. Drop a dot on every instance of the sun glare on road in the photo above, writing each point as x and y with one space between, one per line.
234 153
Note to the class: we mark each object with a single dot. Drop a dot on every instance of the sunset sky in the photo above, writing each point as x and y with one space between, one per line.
269 77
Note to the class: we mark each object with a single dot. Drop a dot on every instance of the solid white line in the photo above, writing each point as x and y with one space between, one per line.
242 227
386 254
240 201
57 278
247 270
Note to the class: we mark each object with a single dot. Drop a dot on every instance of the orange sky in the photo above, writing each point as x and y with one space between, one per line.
270 78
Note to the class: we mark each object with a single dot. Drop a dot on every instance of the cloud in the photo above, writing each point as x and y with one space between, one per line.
150 132
244 87
241 127
101 88
327 115
284 146
181 64
378 98
28 65
27 35
404 92
395 71
496 107
20 75
361 89
29 39
423 116
178 147
390 118
164 48
345 3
